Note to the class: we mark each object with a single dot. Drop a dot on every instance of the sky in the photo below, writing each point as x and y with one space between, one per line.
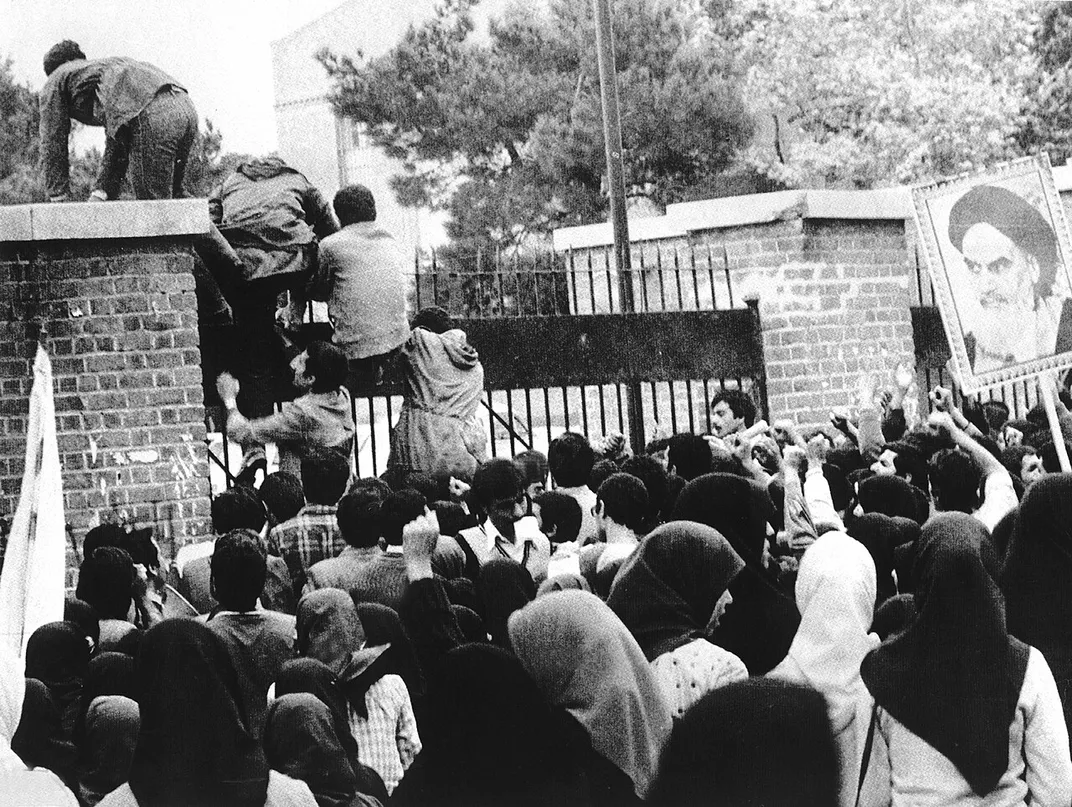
218 49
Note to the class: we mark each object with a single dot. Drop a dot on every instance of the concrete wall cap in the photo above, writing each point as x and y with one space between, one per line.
103 220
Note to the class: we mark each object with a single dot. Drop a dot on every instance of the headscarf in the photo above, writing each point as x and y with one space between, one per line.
85 617
893 496
109 673
484 699
40 740
894 616
759 625
954 676
195 745
329 630
12 694
585 660
756 742
563 582
300 740
384 627
667 595
1037 577
879 534
57 655
504 586
316 678
111 733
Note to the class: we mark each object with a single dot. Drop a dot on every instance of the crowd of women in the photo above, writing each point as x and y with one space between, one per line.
904 660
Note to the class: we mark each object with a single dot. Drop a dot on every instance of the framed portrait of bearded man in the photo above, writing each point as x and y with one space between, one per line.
997 250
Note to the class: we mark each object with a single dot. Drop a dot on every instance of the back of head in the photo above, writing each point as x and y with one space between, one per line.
103 535
910 462
398 510
690 456
649 471
239 568
533 465
434 319
600 472
354 204
494 480
238 508
570 458
324 476
757 742
359 515
59 54
954 478
282 496
106 581
328 364
561 512
625 501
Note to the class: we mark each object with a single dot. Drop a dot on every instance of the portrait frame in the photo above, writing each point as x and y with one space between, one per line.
962 311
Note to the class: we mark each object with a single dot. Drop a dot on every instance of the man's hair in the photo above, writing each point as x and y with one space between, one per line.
239 568
324 475
62 52
238 508
625 501
601 471
655 478
282 496
909 460
1051 462
359 514
103 535
561 511
655 446
1015 218
740 403
353 204
690 456
570 458
398 510
106 581
495 479
327 364
533 466
433 318
996 414
955 479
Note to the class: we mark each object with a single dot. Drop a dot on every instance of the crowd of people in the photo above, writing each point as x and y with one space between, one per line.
868 612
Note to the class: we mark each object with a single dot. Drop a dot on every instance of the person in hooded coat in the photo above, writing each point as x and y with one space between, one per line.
1037 578
836 595
755 743
586 662
57 655
969 714
40 739
760 623
438 429
195 746
669 596
504 586
300 741
111 726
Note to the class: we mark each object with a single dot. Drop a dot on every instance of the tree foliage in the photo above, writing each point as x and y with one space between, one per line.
505 133
885 92
1047 119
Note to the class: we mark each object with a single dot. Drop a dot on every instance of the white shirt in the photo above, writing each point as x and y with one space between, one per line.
487 543
999 499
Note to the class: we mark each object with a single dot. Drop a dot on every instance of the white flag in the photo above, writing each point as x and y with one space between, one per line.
32 579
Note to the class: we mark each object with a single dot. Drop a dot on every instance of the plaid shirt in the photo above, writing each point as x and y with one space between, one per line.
311 536
387 741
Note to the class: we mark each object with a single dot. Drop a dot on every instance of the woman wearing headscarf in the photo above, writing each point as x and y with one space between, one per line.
20 782
761 621
380 715
504 586
668 597
880 535
1037 578
563 582
110 673
57 655
836 595
316 678
194 745
110 734
383 627
969 714
484 706
300 741
39 739
85 617
755 743
585 661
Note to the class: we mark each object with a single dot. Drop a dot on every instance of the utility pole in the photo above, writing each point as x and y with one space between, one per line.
612 136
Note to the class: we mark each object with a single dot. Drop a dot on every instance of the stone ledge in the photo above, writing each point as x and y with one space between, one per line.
103 220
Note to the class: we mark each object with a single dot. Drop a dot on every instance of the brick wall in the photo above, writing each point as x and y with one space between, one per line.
118 318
